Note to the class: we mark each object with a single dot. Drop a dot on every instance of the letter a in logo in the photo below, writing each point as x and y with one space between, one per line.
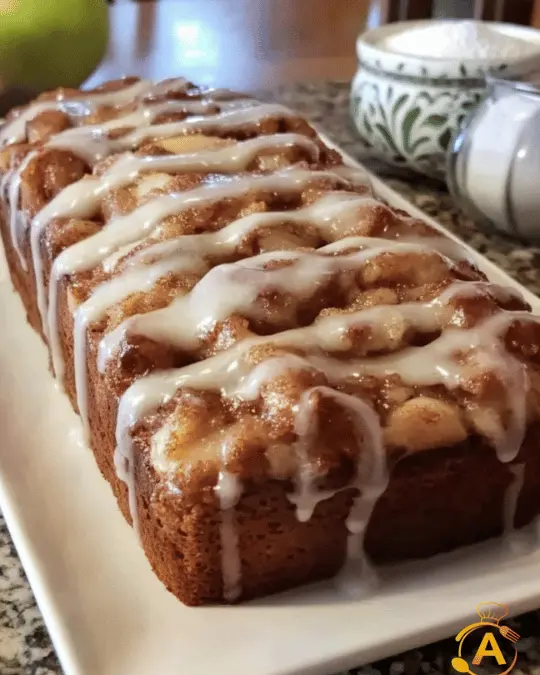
488 632
489 647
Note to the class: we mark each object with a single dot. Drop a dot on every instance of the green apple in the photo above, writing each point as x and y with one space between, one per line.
51 43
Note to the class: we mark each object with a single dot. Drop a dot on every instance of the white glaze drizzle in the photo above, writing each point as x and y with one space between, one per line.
88 143
219 93
81 201
369 483
15 130
236 103
434 364
332 215
136 280
91 143
125 470
305 497
511 496
371 475
229 491
177 255
18 222
134 226
235 287
227 120
169 86
371 479
229 373
429 365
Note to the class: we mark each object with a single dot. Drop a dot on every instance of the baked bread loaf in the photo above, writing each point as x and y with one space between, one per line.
280 376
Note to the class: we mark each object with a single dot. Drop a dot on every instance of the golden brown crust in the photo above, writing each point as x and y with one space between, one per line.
422 512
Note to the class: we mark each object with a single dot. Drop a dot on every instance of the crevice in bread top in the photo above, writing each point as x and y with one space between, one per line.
260 349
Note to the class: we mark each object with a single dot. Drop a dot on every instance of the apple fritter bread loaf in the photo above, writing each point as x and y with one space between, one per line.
280 376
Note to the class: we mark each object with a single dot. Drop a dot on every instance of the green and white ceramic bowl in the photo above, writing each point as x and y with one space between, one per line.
408 108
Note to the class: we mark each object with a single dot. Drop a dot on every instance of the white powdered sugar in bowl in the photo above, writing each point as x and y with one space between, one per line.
417 81
456 39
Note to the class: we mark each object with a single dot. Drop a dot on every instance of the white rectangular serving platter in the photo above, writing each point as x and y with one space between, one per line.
108 615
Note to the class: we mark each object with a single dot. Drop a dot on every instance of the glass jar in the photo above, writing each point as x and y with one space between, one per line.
494 163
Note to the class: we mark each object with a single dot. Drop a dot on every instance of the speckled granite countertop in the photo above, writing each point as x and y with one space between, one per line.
25 646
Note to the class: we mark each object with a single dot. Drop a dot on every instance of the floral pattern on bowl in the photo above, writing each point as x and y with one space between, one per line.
407 109
406 127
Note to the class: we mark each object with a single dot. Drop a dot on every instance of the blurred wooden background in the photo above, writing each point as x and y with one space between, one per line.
251 44
236 43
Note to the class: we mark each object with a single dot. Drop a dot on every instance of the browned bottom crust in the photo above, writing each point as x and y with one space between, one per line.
436 501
